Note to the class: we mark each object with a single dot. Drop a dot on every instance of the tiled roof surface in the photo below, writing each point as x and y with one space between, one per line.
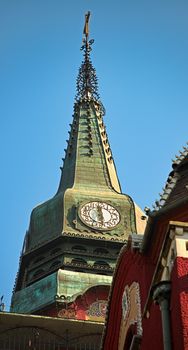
176 186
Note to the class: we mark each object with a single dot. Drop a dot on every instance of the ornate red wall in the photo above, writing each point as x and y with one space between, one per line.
133 267
179 304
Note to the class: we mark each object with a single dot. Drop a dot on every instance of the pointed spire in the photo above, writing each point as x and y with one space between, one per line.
88 150
87 82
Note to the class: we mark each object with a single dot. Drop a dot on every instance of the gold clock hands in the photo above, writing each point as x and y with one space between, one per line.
100 214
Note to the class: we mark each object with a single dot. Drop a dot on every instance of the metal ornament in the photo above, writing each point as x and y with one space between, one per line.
87 81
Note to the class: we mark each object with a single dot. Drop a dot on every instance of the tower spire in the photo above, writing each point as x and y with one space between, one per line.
73 238
88 147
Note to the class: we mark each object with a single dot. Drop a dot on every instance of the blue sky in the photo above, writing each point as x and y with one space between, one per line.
140 55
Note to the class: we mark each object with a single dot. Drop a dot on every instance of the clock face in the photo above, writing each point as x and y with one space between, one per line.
99 215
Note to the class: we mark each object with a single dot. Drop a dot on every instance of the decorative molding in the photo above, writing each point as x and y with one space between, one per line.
88 266
131 312
97 309
125 303
95 236
67 312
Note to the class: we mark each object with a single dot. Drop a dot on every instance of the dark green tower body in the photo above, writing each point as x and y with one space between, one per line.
58 236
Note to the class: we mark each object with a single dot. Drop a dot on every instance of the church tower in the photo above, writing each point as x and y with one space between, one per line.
74 238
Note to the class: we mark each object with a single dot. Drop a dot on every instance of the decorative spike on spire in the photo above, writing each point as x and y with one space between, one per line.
87 82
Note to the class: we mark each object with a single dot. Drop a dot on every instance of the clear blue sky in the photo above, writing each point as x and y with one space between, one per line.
141 57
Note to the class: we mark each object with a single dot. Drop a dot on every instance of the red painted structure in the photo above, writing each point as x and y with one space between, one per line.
161 258
89 306
179 304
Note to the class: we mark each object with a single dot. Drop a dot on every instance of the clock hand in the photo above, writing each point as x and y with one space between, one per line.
100 214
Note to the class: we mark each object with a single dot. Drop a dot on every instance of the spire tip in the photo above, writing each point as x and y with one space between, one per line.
86 25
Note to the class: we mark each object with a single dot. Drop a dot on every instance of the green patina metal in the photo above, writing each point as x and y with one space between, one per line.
75 198
72 284
36 296
66 284
88 174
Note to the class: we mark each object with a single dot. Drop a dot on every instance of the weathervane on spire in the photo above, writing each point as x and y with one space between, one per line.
86 43
86 26
87 82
